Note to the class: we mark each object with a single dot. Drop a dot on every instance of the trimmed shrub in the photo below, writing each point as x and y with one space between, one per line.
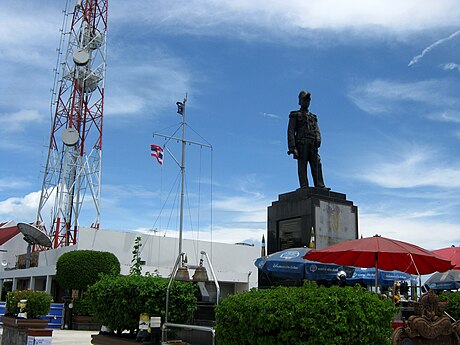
117 301
453 303
38 302
80 268
82 307
7 287
304 315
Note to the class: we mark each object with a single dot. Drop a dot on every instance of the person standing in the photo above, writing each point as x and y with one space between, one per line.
304 139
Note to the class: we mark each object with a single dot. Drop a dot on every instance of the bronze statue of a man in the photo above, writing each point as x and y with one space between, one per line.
304 139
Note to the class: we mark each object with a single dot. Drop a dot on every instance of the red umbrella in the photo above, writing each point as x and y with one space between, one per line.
382 253
450 253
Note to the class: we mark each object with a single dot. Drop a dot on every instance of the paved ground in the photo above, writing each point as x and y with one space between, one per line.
68 337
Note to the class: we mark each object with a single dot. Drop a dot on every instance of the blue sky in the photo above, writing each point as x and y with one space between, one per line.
384 78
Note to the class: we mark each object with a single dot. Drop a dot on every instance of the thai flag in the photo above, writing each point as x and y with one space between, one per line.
157 151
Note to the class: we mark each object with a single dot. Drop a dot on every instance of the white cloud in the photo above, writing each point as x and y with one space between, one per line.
20 208
12 183
241 209
450 66
383 96
248 19
29 32
17 121
250 206
411 167
218 234
445 116
147 85
270 115
428 234
417 58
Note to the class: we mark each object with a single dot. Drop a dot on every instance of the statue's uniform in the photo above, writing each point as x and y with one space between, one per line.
305 136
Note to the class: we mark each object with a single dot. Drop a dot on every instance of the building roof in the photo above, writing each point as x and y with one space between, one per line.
8 233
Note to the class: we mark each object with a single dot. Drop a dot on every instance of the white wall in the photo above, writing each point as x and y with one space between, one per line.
231 263
14 247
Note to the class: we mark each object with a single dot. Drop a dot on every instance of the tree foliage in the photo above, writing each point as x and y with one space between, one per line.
303 316
117 301
78 269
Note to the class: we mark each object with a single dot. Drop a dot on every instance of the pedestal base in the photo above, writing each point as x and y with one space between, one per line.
291 219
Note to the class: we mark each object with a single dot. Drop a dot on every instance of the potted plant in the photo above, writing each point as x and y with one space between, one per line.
23 311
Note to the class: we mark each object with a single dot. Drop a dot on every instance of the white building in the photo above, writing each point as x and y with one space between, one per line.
233 264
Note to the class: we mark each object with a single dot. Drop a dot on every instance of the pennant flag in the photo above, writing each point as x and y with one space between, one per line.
180 108
157 151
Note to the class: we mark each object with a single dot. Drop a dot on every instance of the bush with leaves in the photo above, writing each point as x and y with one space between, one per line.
117 301
453 303
78 269
82 306
7 287
304 315
38 302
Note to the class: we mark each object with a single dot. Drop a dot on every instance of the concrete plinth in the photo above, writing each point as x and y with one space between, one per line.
293 216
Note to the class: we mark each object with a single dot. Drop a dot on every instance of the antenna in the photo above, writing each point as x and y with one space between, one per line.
33 236
73 168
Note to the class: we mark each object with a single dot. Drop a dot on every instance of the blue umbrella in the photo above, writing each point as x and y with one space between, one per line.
290 264
449 280
385 278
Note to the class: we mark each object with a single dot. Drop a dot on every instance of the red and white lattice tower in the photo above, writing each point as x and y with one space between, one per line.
72 177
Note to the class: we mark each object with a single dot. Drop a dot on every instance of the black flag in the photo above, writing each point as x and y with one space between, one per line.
180 108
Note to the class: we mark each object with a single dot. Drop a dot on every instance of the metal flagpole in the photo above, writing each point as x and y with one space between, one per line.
181 111
182 171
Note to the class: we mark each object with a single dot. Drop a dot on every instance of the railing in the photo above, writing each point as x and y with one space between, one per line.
166 324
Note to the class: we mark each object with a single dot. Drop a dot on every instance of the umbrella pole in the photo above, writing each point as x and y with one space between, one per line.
376 271
419 276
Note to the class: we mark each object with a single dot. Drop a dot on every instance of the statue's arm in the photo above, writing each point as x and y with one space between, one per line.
292 129
291 132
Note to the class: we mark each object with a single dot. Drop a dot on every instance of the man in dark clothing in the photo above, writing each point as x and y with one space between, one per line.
304 139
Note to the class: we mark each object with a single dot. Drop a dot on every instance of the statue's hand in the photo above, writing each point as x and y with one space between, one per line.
293 152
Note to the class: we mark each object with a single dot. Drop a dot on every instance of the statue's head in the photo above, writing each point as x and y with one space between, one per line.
304 98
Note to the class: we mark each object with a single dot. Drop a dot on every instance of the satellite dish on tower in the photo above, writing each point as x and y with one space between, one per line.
33 235
69 137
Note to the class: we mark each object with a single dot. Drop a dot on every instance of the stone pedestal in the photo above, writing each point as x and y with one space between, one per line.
292 218
15 330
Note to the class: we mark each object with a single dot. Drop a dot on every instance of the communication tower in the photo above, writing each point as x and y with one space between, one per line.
72 173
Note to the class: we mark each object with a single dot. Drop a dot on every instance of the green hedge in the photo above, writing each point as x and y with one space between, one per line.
117 301
38 302
80 268
82 307
304 315
453 303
